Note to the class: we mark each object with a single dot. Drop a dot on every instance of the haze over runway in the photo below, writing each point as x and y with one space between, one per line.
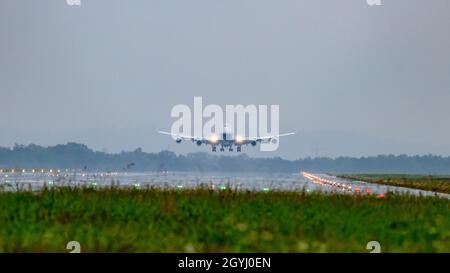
349 78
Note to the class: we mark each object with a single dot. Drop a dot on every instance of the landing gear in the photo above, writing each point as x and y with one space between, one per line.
222 149
214 148
230 149
238 149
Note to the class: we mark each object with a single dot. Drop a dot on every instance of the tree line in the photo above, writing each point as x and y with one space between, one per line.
79 156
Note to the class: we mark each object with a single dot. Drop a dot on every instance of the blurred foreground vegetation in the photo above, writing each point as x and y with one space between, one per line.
203 220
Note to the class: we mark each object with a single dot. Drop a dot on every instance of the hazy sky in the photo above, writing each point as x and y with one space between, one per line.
350 78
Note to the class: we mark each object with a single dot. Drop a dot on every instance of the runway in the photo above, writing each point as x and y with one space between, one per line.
310 182
336 184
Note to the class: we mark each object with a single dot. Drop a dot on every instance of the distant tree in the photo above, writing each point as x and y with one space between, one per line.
79 156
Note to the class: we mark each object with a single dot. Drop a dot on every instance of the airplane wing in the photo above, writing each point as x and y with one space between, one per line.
178 136
267 138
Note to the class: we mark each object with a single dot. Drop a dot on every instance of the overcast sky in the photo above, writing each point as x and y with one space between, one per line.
349 78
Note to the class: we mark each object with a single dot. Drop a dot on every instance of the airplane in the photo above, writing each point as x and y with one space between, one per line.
226 139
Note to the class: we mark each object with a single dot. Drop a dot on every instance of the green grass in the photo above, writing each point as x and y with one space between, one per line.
422 182
201 220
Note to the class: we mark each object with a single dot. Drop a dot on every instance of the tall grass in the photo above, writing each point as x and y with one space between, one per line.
202 220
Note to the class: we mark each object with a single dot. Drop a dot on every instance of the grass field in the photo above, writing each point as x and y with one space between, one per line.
422 182
201 220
